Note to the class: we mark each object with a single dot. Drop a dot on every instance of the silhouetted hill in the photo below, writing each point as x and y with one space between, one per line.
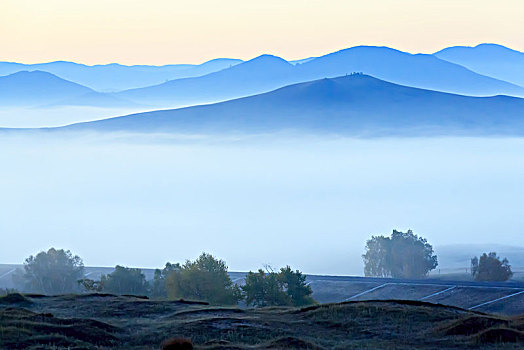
114 77
266 73
37 87
260 74
352 105
43 89
489 59
423 71
96 99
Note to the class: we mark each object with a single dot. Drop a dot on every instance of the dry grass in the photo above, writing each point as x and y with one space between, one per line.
120 322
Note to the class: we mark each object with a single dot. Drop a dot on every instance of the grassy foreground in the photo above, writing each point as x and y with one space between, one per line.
98 321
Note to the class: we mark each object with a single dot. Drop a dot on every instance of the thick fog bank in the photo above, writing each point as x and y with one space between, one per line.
304 201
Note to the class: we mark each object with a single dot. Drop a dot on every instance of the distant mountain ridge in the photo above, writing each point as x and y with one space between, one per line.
224 79
261 74
37 88
353 105
267 72
489 59
43 89
114 77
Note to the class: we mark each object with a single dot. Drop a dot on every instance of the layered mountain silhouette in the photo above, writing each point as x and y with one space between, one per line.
224 79
416 70
489 59
267 72
33 88
351 105
43 89
264 73
115 77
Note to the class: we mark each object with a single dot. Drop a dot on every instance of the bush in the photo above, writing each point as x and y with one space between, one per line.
204 279
284 288
295 286
125 280
264 289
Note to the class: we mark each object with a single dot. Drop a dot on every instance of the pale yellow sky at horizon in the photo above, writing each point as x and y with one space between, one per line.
173 31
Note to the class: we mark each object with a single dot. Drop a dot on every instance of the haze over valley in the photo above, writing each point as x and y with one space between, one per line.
321 153
268 174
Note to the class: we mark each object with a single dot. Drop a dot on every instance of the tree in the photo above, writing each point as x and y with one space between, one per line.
490 268
52 272
158 287
264 289
125 280
204 279
295 286
284 288
375 259
403 255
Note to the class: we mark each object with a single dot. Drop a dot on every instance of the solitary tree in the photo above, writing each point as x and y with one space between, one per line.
204 279
403 255
490 268
52 272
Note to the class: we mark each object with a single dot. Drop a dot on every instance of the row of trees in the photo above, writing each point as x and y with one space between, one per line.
402 255
406 255
205 279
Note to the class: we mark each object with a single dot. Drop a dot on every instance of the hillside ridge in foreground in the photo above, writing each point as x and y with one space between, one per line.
127 322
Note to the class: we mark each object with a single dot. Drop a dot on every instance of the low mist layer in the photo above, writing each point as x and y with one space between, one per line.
310 202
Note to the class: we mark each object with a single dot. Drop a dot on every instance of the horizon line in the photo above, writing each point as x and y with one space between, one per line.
201 62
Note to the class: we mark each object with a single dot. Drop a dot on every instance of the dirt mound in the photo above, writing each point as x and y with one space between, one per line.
472 325
291 343
27 328
15 299
500 335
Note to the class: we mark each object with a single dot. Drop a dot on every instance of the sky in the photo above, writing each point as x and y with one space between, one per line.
175 31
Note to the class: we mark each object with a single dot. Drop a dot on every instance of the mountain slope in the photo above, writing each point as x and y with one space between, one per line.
489 59
423 71
266 73
114 77
260 74
352 105
96 99
37 87
43 89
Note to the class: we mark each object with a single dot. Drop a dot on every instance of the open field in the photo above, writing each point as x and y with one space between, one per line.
98 321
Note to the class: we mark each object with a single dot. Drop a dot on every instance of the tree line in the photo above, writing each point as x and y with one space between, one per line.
400 255
205 279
